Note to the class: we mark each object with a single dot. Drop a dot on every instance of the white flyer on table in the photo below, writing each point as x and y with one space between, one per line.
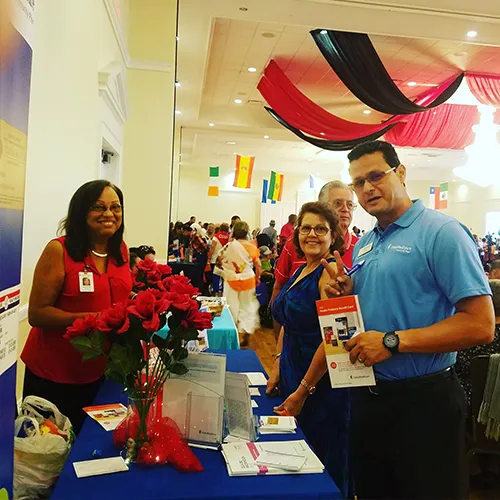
340 319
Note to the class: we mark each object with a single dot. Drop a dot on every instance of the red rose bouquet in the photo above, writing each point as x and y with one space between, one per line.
139 358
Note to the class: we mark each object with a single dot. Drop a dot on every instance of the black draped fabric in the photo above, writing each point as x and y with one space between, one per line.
325 144
356 62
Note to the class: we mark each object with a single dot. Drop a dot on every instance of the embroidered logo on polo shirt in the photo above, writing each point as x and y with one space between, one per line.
399 248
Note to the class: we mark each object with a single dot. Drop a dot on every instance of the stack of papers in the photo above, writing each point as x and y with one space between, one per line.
100 466
275 457
277 425
256 378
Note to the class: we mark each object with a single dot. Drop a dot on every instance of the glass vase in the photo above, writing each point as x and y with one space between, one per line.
140 422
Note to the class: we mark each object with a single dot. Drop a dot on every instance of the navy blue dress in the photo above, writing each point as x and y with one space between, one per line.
324 419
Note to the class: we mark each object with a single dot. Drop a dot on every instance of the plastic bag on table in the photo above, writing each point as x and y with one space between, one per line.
43 439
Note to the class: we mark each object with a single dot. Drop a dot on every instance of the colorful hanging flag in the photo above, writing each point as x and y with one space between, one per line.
443 195
243 172
275 186
434 197
213 183
311 182
265 184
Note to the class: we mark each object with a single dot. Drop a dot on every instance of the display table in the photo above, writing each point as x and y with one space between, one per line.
194 271
222 336
166 483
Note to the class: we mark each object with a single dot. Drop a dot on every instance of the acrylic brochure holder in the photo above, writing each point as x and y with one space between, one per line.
204 420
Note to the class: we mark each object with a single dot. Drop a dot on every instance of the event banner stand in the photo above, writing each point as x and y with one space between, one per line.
16 37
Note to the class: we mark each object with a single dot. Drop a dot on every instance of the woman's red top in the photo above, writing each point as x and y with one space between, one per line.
50 356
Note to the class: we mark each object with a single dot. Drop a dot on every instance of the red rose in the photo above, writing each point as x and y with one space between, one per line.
164 269
148 307
115 318
181 302
197 319
180 284
147 265
81 326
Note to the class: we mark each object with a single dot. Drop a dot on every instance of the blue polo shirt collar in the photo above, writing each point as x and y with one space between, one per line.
408 217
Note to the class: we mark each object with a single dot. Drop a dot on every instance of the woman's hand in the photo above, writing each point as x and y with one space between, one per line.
292 406
274 379
338 283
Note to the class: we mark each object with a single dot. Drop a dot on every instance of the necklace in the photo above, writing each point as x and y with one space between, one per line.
97 254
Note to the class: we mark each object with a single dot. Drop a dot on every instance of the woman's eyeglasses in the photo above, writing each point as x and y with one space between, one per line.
373 178
318 230
100 209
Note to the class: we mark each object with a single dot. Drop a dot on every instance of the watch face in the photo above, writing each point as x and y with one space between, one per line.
391 341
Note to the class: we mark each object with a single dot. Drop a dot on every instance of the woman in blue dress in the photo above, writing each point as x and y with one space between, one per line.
298 371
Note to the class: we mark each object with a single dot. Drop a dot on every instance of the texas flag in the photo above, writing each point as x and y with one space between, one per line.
434 197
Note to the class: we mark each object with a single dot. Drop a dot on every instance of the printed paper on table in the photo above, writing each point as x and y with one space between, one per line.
340 319
109 416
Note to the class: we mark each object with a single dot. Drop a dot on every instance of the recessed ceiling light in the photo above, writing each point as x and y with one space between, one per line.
251 69
232 143
268 34
177 84
323 32
243 9
367 111
238 101
412 84
471 34
211 124
180 163
235 154
177 38
177 112
266 137
310 159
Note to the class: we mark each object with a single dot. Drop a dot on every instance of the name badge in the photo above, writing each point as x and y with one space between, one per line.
86 281
365 249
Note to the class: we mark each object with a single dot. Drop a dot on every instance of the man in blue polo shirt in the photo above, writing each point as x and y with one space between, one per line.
423 295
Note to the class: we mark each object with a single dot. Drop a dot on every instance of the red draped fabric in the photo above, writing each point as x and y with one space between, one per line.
298 110
448 126
485 88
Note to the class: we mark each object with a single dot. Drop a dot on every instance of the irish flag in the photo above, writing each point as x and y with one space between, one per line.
275 186
243 171
213 183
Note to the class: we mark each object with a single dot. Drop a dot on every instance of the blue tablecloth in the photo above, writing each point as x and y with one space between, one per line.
166 483
223 335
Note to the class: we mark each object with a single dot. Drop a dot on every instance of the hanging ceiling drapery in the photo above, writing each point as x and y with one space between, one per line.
356 62
345 145
485 88
449 126
301 113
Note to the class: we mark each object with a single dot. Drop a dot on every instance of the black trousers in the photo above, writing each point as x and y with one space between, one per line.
69 398
408 439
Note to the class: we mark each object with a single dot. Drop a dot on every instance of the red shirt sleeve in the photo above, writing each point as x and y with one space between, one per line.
284 265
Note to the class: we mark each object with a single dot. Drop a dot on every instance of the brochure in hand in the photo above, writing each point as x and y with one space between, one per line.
340 319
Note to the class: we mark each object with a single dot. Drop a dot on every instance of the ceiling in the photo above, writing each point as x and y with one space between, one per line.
219 40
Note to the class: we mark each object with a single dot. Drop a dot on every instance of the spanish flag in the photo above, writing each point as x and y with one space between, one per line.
243 171
275 186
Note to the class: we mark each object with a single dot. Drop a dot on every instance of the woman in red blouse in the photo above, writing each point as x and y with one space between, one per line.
85 271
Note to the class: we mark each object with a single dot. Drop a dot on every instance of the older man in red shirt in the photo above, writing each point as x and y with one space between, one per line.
340 198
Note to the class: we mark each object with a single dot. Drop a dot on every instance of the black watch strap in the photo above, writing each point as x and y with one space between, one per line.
391 342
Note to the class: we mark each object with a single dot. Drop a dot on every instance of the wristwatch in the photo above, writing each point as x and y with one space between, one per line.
391 342
311 389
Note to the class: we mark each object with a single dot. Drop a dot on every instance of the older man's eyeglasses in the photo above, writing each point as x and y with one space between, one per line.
318 230
373 178
338 204
116 208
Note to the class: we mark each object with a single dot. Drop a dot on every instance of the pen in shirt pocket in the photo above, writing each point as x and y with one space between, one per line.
355 268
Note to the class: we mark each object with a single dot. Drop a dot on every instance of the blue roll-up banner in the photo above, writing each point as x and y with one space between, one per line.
17 18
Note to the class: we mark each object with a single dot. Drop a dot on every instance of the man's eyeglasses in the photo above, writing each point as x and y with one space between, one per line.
318 230
373 178
101 209
338 204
